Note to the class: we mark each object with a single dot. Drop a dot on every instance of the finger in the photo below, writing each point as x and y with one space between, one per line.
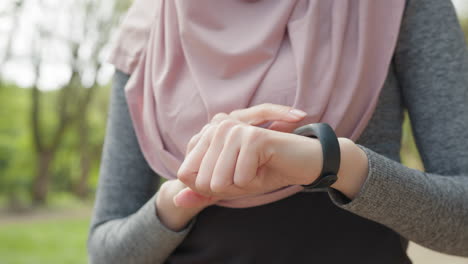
268 112
223 173
219 117
210 159
282 126
247 163
189 168
216 120
194 140
188 198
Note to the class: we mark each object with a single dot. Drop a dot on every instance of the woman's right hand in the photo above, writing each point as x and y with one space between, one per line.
172 216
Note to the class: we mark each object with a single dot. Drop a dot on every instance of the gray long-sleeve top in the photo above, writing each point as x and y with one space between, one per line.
428 77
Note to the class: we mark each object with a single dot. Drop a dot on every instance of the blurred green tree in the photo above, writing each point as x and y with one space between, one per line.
73 99
62 138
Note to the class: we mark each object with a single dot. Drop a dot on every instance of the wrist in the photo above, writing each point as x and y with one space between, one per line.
296 156
314 164
173 217
353 169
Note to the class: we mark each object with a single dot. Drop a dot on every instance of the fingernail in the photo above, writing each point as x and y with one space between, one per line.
297 113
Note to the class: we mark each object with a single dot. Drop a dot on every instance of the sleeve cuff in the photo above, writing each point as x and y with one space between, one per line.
138 238
152 234
150 220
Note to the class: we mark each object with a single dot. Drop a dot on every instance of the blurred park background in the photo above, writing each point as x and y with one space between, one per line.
54 89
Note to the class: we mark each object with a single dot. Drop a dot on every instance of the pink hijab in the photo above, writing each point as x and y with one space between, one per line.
192 59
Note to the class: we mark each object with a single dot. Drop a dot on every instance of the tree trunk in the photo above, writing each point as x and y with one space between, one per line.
41 181
81 187
45 152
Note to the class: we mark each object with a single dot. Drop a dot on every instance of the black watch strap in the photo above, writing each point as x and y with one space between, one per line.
331 153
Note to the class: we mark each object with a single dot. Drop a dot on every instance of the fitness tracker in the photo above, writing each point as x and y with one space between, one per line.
331 153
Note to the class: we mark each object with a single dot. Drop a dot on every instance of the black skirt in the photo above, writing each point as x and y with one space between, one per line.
304 228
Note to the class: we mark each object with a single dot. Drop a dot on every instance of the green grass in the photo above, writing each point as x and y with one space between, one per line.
44 241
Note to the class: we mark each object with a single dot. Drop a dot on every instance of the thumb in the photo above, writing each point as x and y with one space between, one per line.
187 198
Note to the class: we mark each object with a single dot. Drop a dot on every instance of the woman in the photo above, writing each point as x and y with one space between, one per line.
189 60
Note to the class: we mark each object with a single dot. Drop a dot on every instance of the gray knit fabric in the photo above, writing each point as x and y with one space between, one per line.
431 65
125 228
429 77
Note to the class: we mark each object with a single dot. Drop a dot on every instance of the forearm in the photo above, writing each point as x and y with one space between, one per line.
429 209
125 227
172 216
431 63
353 169
137 238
